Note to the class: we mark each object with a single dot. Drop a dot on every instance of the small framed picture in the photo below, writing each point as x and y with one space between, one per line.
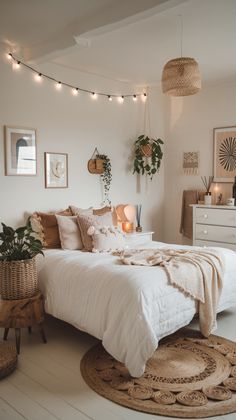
224 154
20 151
56 170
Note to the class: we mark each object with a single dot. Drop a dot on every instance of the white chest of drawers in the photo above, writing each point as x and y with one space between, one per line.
137 239
214 226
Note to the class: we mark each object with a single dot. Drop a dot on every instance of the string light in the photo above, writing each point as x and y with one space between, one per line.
75 90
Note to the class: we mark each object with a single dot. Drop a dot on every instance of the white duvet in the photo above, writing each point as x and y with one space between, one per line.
130 308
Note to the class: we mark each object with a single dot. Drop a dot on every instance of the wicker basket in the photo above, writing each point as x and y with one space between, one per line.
96 166
18 279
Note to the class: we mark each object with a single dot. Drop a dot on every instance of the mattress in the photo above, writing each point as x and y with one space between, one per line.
129 308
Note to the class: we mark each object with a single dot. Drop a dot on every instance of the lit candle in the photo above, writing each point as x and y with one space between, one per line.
128 227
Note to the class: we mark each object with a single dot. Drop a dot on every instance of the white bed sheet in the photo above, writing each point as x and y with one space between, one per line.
130 308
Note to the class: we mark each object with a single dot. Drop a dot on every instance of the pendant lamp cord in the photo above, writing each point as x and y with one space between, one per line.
181 35
147 122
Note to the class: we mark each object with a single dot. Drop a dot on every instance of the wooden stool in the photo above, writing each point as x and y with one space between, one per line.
22 313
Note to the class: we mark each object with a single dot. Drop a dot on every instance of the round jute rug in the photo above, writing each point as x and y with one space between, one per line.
188 376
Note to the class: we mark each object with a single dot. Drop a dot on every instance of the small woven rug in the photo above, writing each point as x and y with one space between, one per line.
187 376
8 359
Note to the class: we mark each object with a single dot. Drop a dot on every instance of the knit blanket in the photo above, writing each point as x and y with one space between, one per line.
194 272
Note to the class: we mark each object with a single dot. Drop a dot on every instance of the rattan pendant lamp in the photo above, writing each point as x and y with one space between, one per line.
181 76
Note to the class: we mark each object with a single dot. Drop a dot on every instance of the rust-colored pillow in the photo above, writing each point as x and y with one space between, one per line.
51 238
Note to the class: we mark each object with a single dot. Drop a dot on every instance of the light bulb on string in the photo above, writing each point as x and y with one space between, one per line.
94 95
58 85
16 65
121 99
75 91
134 98
9 56
38 77
109 98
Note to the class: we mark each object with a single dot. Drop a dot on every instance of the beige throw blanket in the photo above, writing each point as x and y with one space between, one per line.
196 273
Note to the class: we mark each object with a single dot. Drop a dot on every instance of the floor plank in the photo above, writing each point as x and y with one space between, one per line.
22 403
8 412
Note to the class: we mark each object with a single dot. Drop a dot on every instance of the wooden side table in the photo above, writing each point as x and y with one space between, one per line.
22 313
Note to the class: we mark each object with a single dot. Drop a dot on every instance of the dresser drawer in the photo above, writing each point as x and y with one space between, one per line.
219 216
215 233
215 244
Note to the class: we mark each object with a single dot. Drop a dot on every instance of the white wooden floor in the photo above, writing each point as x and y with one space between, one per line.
47 383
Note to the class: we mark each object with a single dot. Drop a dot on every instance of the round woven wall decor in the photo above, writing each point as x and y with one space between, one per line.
181 77
188 377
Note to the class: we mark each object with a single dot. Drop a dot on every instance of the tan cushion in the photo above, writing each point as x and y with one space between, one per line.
69 232
106 239
77 210
98 212
85 221
105 210
49 227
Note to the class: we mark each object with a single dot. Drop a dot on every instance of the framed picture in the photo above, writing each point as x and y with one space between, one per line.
224 154
56 170
20 151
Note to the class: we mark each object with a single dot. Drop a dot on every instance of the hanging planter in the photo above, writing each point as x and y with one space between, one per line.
146 150
96 164
101 165
148 155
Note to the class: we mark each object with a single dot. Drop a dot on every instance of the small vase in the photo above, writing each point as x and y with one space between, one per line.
207 199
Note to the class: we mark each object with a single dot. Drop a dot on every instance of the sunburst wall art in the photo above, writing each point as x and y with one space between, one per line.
224 154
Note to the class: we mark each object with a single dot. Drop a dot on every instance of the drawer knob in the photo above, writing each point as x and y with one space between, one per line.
205 232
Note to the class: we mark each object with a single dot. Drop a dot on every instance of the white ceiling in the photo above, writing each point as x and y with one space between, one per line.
127 40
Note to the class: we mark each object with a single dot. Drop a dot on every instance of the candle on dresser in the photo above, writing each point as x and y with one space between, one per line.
128 227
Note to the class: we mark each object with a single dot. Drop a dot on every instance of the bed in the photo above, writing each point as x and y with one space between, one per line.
129 308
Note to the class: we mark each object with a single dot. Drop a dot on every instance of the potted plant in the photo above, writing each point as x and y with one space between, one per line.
106 176
148 155
18 249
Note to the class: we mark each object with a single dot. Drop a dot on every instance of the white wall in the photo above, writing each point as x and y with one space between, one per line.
76 125
189 124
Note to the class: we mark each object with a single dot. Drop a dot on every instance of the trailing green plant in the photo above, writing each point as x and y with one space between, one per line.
19 244
106 177
143 163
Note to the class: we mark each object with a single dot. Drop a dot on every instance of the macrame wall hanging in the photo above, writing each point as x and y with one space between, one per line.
190 163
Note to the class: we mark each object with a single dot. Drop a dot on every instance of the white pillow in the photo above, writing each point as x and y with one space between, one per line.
106 238
69 232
